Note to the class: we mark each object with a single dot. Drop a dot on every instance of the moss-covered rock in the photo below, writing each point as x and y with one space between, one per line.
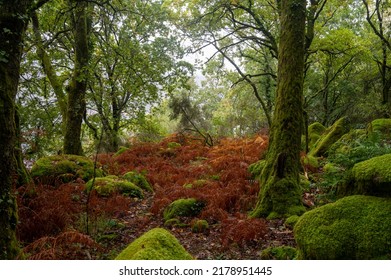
279 253
354 227
106 186
256 168
156 244
173 145
291 221
199 226
64 168
315 130
138 179
370 177
382 126
185 207
330 136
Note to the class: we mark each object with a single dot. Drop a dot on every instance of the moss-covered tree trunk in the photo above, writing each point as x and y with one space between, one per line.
13 23
280 192
76 105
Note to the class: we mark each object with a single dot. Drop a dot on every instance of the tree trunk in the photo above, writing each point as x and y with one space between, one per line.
280 192
76 105
13 23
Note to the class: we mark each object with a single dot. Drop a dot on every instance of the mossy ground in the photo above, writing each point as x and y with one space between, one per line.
354 227
156 244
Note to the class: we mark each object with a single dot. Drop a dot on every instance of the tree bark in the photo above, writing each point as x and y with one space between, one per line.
76 105
280 192
13 24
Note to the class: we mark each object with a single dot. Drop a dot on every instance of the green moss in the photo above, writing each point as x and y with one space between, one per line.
64 168
315 130
371 177
189 207
256 168
174 222
330 136
347 141
279 253
291 221
199 226
138 179
121 150
284 197
310 161
382 126
106 186
173 145
156 244
304 183
355 227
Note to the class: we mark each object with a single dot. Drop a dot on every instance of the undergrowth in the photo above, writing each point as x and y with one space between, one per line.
52 220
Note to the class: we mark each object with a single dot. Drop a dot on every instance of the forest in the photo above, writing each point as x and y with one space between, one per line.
195 130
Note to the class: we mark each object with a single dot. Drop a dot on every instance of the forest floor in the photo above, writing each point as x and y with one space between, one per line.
53 224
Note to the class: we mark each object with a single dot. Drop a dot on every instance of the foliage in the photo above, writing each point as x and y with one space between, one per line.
242 231
355 227
156 244
68 245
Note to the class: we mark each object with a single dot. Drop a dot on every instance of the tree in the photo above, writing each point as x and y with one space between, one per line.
14 17
280 192
377 19
76 105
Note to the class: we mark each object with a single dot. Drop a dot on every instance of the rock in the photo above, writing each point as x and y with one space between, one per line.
64 168
354 227
369 177
330 136
138 179
106 186
185 207
315 130
156 244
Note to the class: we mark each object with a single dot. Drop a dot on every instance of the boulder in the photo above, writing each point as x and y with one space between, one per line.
354 227
329 136
184 207
156 244
64 168
369 177
106 186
